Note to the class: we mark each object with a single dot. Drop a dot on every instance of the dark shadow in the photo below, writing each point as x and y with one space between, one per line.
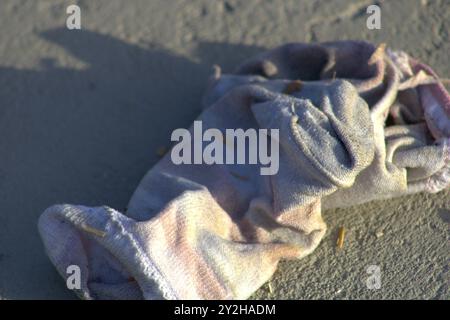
87 136
445 215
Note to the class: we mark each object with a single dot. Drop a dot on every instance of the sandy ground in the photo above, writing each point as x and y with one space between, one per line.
82 113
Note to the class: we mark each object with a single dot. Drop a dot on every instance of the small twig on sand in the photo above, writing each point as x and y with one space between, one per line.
340 239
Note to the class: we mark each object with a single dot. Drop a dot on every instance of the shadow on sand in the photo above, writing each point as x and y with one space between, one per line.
87 136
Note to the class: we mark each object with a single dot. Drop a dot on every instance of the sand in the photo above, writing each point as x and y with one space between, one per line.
83 113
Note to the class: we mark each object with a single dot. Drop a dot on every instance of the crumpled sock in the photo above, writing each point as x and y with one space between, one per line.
218 231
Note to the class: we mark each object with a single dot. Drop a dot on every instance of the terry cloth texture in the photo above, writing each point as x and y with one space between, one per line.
356 123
